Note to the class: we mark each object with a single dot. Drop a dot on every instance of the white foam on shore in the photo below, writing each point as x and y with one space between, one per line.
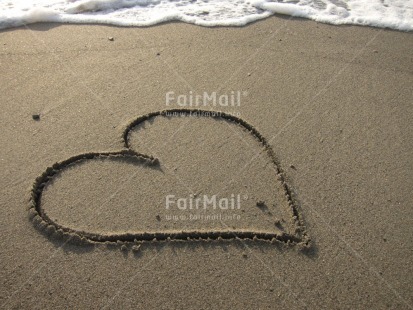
394 14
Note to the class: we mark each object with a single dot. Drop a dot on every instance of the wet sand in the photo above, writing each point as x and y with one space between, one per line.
334 104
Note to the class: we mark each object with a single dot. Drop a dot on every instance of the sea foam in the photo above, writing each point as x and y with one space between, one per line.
394 14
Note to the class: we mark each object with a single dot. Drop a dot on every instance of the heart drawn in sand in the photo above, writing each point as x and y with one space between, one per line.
208 175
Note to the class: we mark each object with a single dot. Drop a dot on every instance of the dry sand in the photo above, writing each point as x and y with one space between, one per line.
334 104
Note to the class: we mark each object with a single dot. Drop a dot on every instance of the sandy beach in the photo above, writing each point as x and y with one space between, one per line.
333 104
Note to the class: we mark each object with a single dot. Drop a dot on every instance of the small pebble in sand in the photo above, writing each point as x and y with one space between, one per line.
260 203
111 39
36 117
249 74
293 167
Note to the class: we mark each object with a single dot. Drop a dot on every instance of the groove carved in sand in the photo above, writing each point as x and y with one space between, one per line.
43 222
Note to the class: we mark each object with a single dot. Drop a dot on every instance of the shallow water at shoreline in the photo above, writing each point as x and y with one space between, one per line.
397 14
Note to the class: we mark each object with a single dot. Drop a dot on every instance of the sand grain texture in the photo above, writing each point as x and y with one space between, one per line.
334 102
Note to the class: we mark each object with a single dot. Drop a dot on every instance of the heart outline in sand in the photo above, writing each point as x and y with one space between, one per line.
50 227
